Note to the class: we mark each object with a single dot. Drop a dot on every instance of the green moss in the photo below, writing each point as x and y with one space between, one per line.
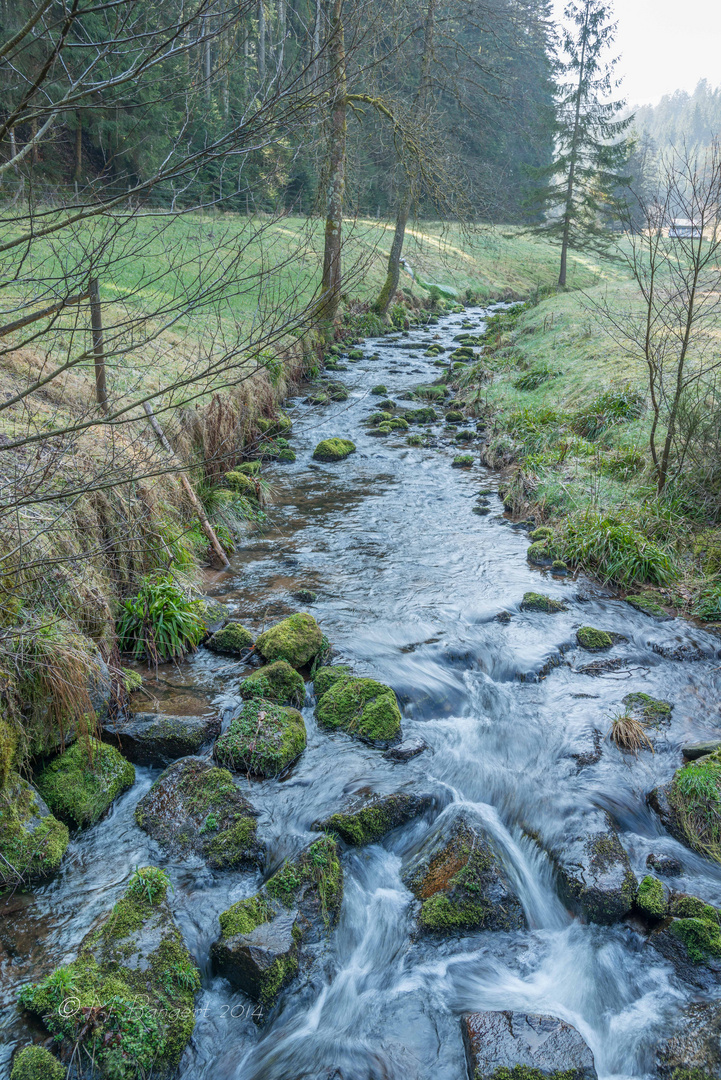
651 897
398 424
326 677
263 739
333 449
541 533
277 682
232 640
36 1063
245 916
559 565
439 913
279 974
533 601
701 937
462 461
233 846
379 418
8 750
653 710
695 798
363 707
647 603
454 417
297 639
379 390
242 483
31 845
132 1005
593 640
527 1072
539 554
249 468
426 415
370 823
80 785
414 440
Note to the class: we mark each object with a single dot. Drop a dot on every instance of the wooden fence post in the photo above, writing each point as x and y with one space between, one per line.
101 391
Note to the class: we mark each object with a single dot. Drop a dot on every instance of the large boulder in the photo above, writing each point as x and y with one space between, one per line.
368 820
277 682
513 1044
195 808
363 708
159 738
326 676
37 1063
693 1049
594 873
297 640
80 785
333 449
266 939
263 739
690 939
461 883
690 805
232 639
127 1001
32 841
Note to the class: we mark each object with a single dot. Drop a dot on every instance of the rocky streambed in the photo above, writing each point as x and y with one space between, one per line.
403 845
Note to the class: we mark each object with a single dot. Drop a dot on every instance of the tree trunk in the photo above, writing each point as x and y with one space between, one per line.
568 212
261 40
281 34
78 167
101 390
316 39
331 282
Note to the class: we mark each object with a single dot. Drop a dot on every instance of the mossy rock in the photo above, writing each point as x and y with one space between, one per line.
355 354
533 601
398 424
593 640
249 468
242 484
32 841
454 417
8 750
652 897
263 739
194 808
387 405
382 429
524 1046
36 1063
297 639
415 440
264 940
363 708
369 820
159 738
81 784
278 682
318 397
427 415
325 677
462 461
305 596
461 883
465 436
286 454
594 872
333 450
559 566
231 640
649 604
651 710
540 554
379 418
541 533
379 390
132 987
690 806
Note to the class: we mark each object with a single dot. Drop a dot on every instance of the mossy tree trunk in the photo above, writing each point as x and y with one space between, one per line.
332 268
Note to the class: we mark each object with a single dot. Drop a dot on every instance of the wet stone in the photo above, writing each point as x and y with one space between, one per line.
461 883
512 1040
693 751
664 864
406 750
367 821
594 873
158 738
693 1050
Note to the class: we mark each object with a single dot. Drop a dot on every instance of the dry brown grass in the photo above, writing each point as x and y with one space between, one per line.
628 733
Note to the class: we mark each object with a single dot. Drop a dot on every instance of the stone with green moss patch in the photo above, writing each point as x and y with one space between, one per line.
32 841
231 640
461 883
263 940
651 898
540 553
504 1045
594 872
363 708
325 677
379 390
262 740
132 987
651 710
159 738
454 417
543 532
243 484
8 750
593 640
648 603
533 601
381 417
427 415
462 461
690 805
195 808
277 682
36 1063
333 449
297 640
80 785
367 821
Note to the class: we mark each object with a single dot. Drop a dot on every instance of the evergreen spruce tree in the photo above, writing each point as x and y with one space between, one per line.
577 190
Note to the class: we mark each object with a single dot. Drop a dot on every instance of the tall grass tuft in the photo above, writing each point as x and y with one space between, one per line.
615 551
162 622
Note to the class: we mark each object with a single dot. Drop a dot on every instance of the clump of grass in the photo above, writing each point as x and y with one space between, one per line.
695 795
615 551
161 623
708 604
628 733
535 377
607 409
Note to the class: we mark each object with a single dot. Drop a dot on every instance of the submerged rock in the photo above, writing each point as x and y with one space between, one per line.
195 808
595 876
277 682
159 738
533 601
80 785
333 449
297 640
32 841
231 640
368 820
690 805
364 708
693 1050
524 1046
263 739
264 940
131 990
461 883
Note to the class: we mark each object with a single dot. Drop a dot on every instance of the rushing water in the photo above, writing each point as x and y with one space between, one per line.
410 582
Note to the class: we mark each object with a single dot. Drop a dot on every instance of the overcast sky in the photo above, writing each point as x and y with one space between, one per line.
665 45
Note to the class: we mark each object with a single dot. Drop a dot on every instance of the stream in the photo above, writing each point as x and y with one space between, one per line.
410 582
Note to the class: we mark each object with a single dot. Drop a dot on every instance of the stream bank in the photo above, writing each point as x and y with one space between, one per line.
417 590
